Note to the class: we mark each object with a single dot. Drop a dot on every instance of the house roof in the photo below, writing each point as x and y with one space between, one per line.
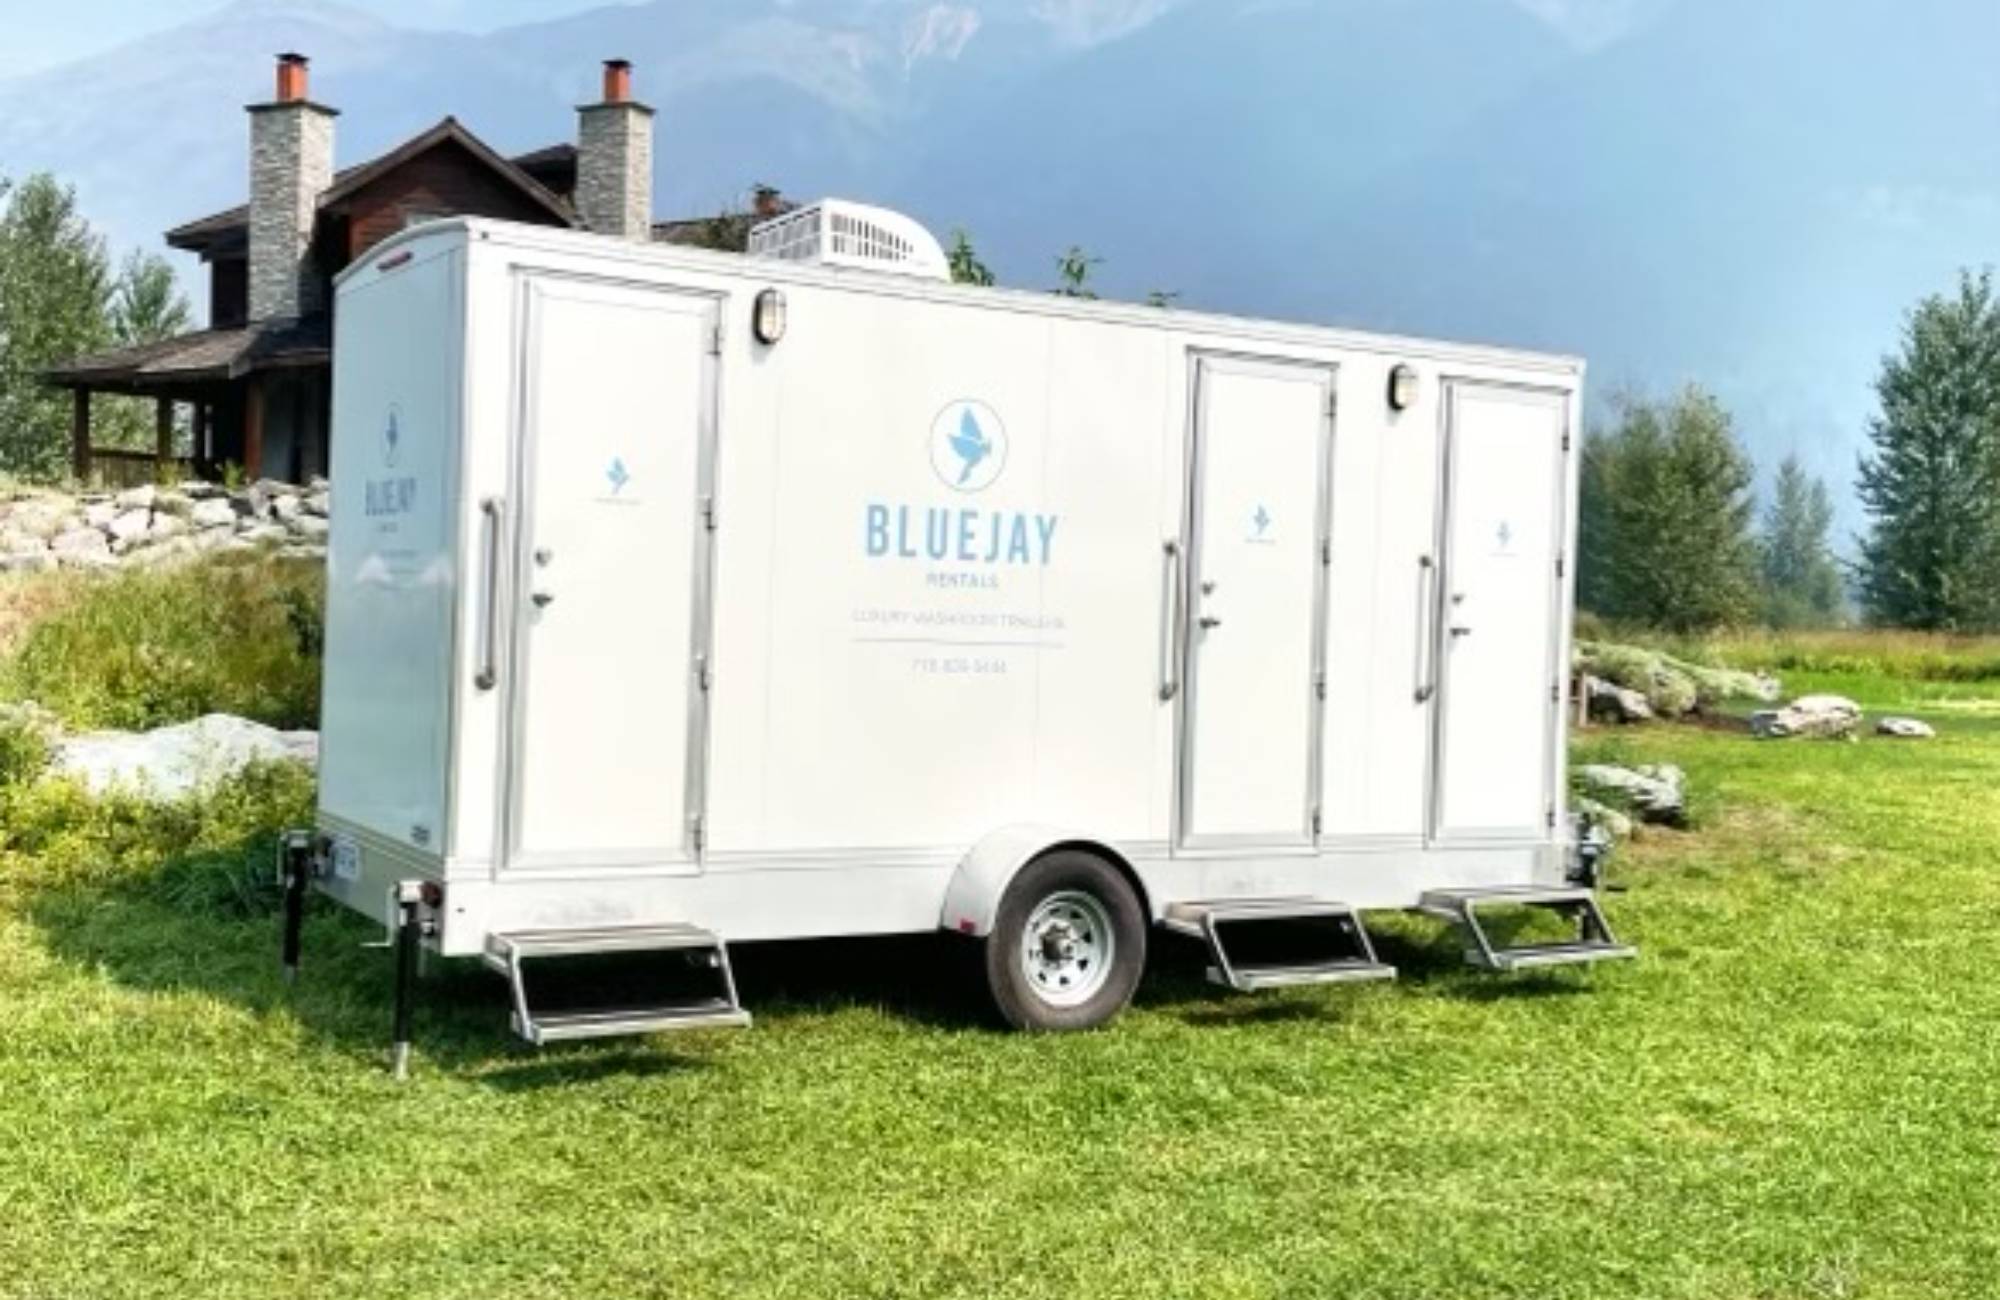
218 230
201 357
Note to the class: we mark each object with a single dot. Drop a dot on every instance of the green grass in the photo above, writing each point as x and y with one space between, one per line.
137 648
1795 1092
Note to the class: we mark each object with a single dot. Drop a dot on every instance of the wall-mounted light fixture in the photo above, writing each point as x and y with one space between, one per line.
767 322
1402 388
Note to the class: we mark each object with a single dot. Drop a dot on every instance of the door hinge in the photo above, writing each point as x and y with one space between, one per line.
1319 684
702 675
1556 693
695 831
1565 441
1551 817
715 339
708 511
1333 403
1326 550
1562 565
1315 820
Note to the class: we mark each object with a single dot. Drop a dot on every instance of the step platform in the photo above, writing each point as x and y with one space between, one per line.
1593 942
1269 943
699 991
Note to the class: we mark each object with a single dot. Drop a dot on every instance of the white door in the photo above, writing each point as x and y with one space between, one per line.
1252 599
1500 603
608 715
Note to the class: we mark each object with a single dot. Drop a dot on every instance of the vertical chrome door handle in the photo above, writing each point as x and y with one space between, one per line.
491 512
1426 684
1170 617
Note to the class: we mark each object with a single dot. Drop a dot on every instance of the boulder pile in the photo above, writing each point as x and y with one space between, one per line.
1655 793
150 525
1625 684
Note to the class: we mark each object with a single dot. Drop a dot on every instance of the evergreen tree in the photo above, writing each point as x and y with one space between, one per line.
146 303
1667 517
1932 484
1801 580
55 285
963 259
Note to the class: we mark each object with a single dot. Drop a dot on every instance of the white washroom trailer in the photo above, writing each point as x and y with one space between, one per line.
681 598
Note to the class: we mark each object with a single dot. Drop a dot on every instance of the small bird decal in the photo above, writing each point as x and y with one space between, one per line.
618 475
1262 519
970 444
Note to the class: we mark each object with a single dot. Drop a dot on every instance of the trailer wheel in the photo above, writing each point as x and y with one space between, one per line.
1068 944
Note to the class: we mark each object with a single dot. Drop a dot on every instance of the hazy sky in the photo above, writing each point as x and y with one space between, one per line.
41 34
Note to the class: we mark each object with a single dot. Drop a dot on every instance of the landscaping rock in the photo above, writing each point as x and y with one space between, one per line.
1827 717
318 503
1610 702
213 512
131 525
1614 822
172 761
81 546
1905 729
39 529
1655 793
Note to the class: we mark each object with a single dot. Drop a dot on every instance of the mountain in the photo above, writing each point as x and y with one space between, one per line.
1747 195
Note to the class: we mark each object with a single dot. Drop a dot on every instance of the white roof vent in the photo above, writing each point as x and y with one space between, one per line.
836 232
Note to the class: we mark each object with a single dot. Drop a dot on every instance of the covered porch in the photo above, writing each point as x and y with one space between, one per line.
253 400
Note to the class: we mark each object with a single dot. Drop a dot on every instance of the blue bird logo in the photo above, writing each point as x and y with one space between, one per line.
971 445
618 475
968 446
391 436
1262 519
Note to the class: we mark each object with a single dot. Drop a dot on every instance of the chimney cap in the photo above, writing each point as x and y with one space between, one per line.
291 77
617 81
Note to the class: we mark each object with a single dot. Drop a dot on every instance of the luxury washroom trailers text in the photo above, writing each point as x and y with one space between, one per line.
681 598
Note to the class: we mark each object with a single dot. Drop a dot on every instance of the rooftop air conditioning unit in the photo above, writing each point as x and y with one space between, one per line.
836 232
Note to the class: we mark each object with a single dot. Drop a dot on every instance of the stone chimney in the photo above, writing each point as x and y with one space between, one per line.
614 160
291 165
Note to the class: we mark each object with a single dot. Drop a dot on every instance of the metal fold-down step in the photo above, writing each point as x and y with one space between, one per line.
1269 943
705 959
1593 942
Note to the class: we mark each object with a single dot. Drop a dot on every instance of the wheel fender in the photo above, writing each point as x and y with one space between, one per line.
972 899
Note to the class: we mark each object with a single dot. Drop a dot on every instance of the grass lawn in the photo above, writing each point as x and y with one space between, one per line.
1795 1092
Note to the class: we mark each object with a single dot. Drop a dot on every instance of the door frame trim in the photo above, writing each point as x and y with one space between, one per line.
1563 400
683 856
1202 361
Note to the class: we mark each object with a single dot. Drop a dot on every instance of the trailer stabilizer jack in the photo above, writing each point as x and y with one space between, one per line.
1267 943
1594 940
295 868
714 1006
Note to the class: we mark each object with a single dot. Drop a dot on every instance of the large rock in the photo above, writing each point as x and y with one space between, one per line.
1827 717
1610 702
1905 729
138 498
42 517
171 761
1655 793
1672 687
130 525
212 512
1613 821
99 514
81 547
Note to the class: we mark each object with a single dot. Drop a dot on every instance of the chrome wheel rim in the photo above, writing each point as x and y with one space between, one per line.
1067 947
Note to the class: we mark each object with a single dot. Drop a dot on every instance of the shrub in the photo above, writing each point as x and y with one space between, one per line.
142 648
209 851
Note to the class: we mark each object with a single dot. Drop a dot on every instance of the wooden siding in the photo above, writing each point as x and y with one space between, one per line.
444 181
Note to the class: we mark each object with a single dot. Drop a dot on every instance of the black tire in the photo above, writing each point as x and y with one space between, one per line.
1055 886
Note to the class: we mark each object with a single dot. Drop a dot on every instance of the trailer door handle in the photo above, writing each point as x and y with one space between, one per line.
1426 597
1170 616
491 511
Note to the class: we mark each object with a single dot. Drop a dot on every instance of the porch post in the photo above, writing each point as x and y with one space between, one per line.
253 430
79 435
163 435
